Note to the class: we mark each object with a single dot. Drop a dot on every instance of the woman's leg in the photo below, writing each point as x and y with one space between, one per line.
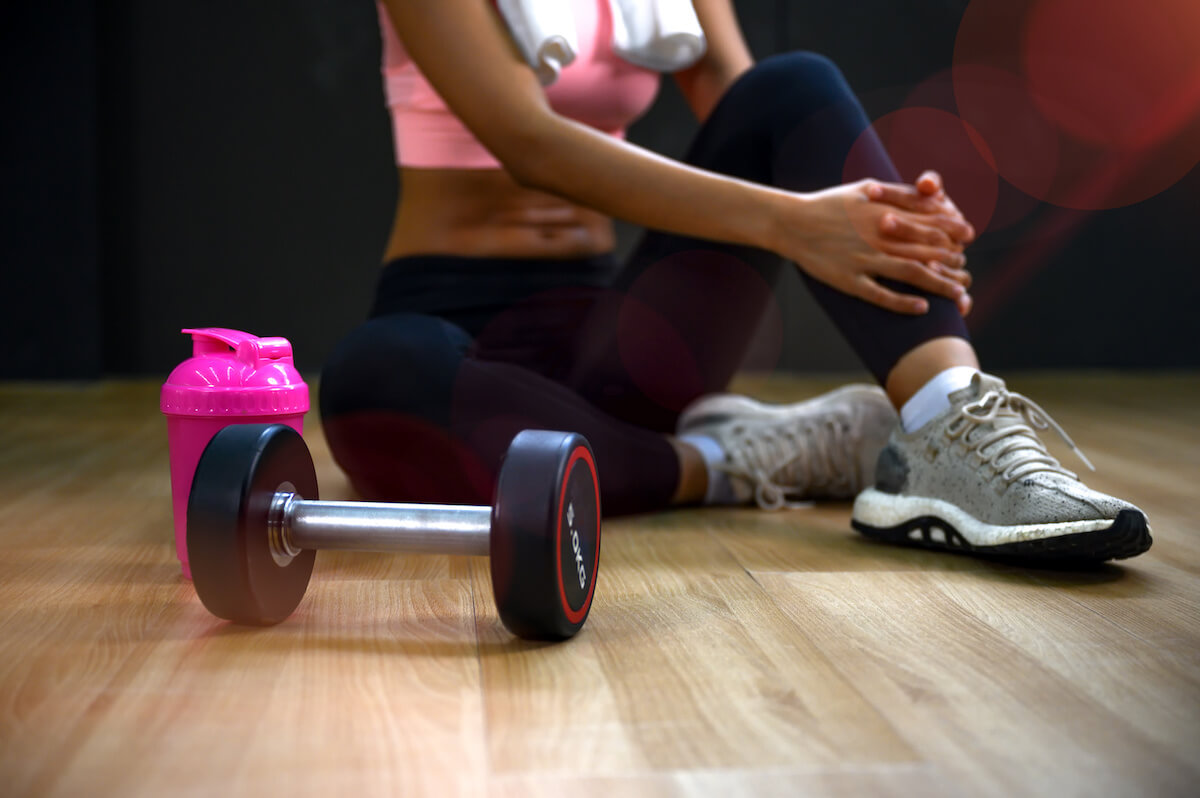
685 310
413 413
966 468
967 471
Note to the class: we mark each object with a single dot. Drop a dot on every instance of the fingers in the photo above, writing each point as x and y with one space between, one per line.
905 228
959 228
923 253
955 226
867 289
902 196
963 277
919 275
933 278
926 198
930 183
958 275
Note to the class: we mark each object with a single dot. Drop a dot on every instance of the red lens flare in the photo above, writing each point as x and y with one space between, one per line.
1085 105
929 138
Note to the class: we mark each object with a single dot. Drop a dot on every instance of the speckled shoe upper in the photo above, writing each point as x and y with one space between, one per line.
983 455
823 448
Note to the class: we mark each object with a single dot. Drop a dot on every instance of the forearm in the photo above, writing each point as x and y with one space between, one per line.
634 184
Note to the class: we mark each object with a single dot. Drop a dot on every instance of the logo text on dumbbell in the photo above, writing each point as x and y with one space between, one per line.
575 546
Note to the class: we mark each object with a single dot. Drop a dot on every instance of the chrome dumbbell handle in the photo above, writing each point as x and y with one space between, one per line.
295 524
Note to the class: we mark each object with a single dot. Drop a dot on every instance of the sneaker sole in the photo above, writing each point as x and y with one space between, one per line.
1127 535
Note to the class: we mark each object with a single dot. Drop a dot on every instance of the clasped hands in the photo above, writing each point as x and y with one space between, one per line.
851 235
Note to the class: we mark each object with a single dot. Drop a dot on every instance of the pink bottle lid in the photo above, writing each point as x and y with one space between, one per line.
233 373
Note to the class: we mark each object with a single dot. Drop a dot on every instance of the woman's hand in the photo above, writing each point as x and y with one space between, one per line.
838 236
940 223
926 197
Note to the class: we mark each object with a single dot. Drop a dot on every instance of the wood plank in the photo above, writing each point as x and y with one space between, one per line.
124 684
367 679
1000 719
901 780
730 652
817 538
685 663
1152 684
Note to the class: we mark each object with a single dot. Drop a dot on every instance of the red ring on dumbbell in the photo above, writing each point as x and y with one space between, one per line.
576 616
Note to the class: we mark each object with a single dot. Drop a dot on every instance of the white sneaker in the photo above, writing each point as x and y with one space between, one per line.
823 448
977 478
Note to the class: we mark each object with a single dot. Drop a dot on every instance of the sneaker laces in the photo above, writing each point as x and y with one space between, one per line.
1028 454
791 458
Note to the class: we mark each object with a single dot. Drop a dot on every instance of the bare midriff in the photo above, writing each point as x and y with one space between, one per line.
485 213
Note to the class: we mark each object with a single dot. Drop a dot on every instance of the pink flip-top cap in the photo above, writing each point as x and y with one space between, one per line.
234 373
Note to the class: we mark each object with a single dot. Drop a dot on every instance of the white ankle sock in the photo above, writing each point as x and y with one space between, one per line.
933 397
719 490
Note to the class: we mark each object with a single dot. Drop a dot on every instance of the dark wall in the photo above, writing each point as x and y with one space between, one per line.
228 164
49 315
249 173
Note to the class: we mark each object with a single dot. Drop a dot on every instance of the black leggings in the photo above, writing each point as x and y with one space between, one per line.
459 354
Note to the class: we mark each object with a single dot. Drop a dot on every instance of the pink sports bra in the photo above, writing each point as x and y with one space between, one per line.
597 88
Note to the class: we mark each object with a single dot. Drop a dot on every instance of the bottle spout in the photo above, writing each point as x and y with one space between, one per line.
250 349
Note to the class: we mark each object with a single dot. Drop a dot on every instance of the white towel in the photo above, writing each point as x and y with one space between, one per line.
663 35
545 32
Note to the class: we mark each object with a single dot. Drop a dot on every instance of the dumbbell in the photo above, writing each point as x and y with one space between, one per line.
254 524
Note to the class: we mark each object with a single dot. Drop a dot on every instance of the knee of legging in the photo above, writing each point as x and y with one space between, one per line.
798 80
385 397
401 362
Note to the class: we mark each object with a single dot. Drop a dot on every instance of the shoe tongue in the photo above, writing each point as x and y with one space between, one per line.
980 384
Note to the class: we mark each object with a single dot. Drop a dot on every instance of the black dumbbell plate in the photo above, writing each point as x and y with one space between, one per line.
545 535
233 569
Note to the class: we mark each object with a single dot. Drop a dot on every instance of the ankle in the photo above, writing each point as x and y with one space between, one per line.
933 398
693 473
711 484
925 362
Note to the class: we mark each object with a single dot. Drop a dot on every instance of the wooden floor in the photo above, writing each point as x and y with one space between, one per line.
729 652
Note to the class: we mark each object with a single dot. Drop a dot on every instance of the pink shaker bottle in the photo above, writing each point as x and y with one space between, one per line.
232 378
